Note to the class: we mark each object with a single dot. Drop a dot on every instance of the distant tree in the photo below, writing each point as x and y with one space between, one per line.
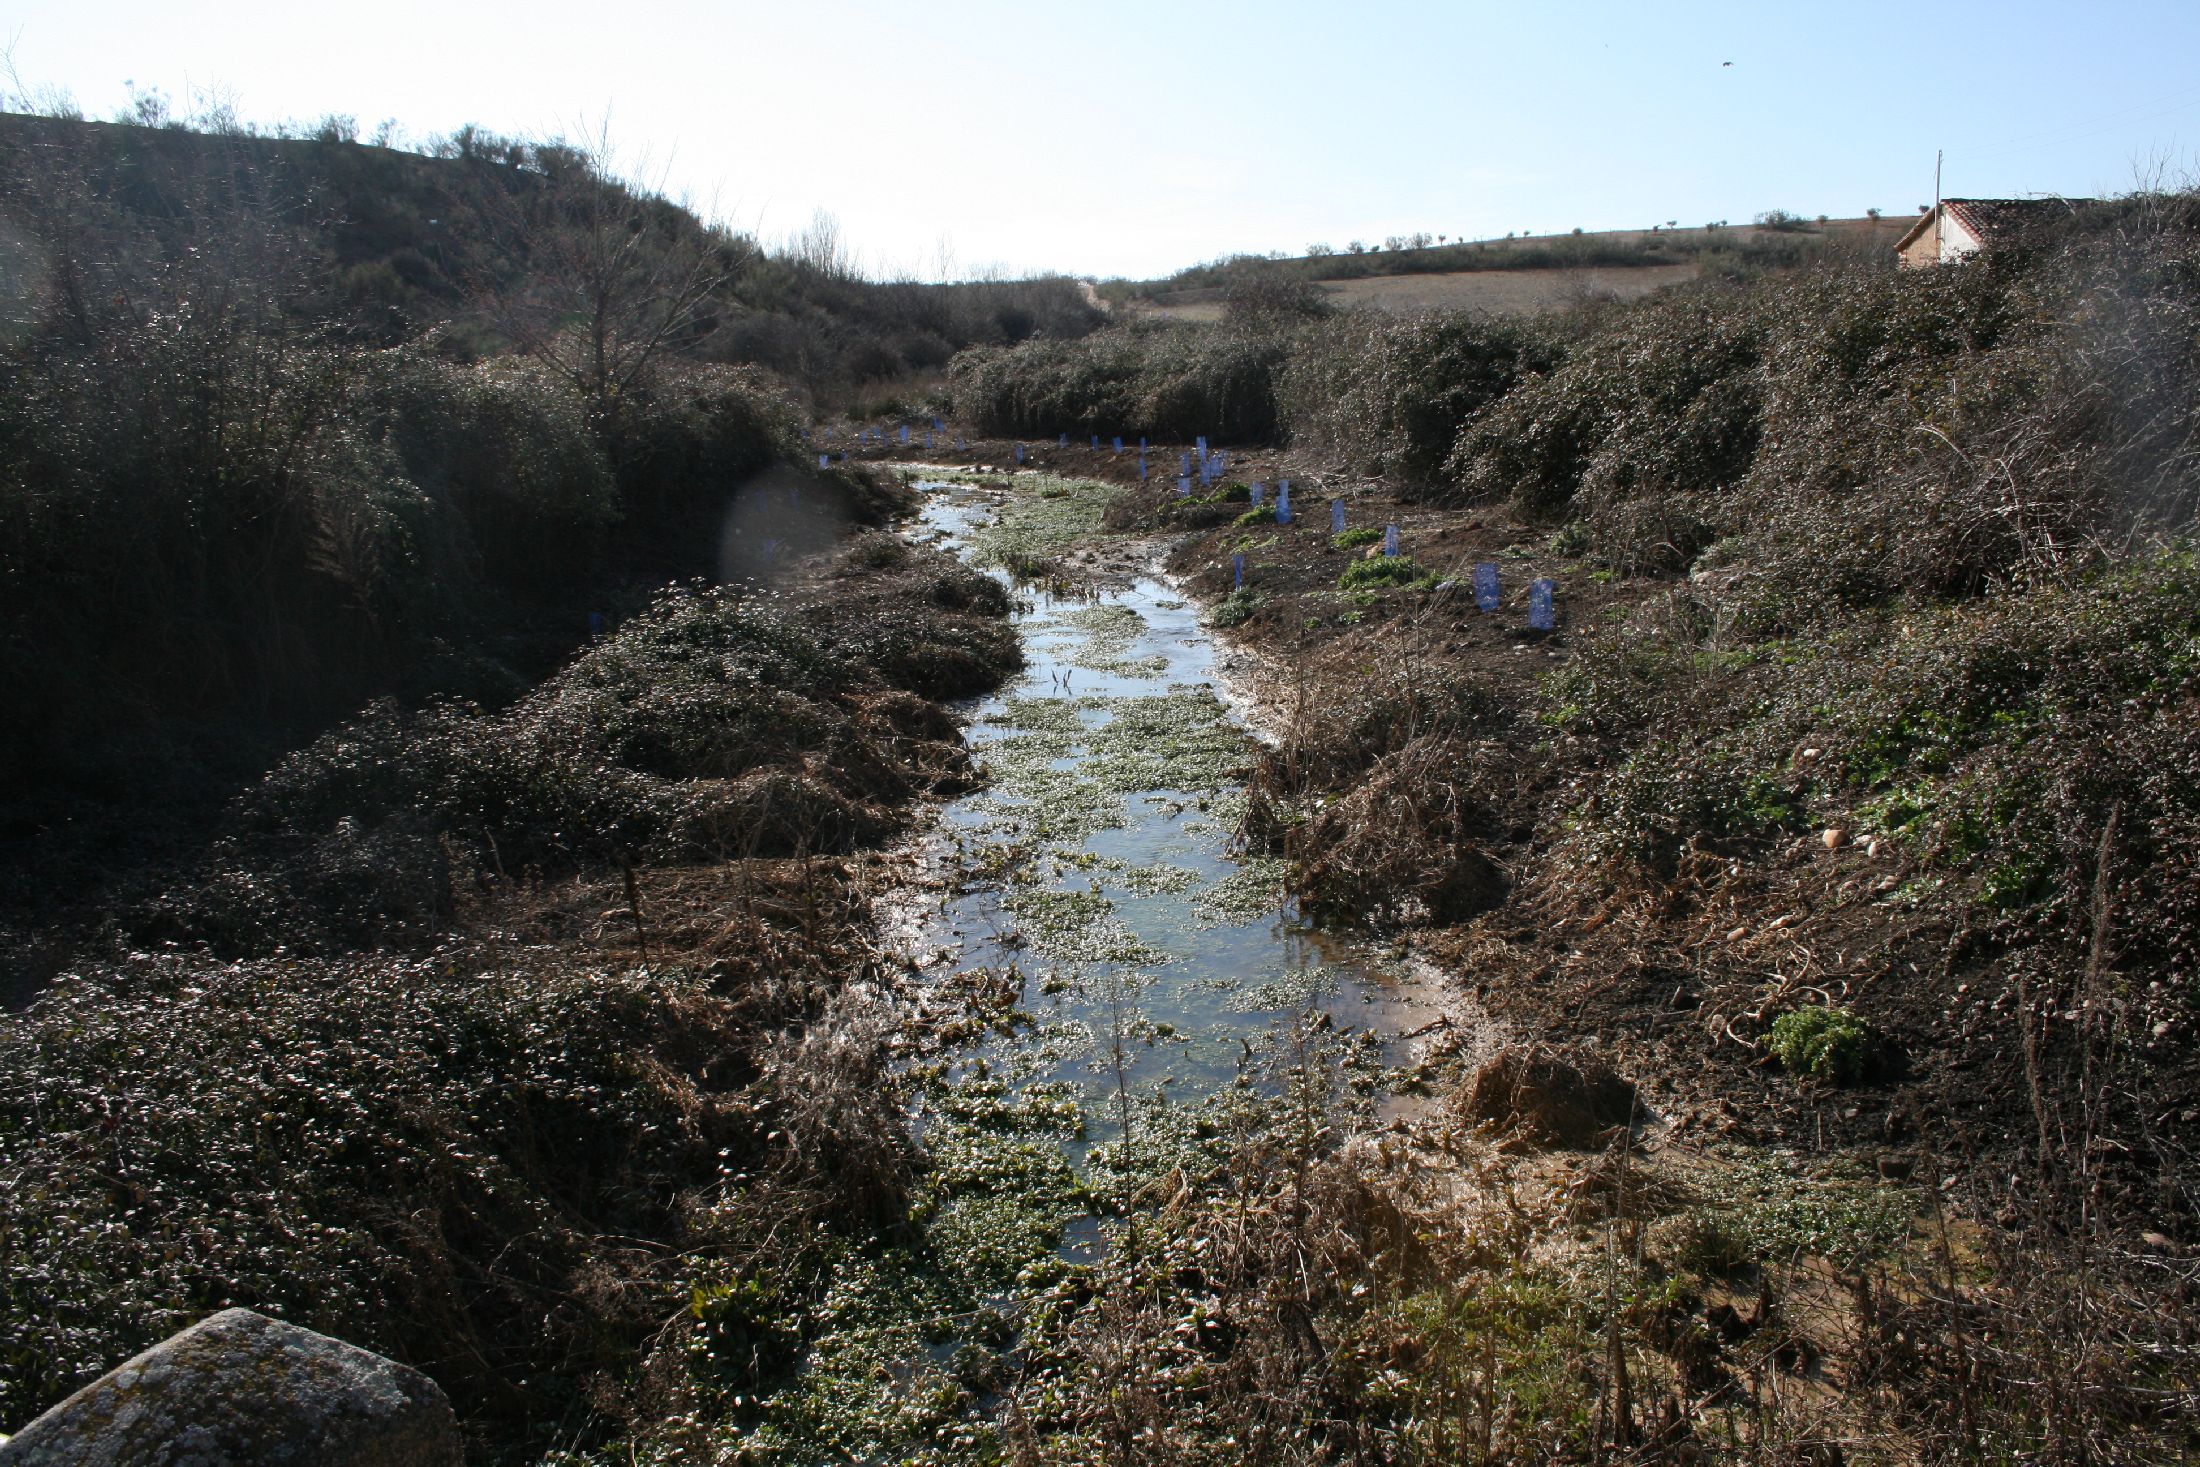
149 107
820 247
1779 219
1871 213
1318 251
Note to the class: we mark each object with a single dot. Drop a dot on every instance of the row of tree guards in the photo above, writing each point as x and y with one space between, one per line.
1207 465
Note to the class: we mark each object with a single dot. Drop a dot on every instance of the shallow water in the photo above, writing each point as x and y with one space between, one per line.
1097 867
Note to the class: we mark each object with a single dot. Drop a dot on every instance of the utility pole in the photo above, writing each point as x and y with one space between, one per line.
1938 154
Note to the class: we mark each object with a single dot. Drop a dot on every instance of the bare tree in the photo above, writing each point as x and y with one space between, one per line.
821 247
621 276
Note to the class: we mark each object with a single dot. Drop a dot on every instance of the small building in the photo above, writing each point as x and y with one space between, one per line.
1962 227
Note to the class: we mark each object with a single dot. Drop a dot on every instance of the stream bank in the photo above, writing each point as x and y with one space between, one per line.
1172 1197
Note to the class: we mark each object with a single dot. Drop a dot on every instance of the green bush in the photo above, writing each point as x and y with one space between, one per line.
1821 1043
1353 539
1381 571
1236 608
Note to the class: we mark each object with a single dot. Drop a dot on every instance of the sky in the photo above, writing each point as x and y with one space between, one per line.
1136 138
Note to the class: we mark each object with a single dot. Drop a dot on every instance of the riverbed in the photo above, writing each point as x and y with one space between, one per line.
1155 964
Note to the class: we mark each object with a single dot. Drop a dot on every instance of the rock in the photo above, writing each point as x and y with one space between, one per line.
1545 1097
1834 839
1372 552
240 1387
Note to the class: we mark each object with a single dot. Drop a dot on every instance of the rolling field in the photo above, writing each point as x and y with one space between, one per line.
1528 290
1506 292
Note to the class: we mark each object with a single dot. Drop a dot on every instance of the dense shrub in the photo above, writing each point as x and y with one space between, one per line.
1159 379
1871 432
507 448
1996 739
1662 400
275 529
1388 394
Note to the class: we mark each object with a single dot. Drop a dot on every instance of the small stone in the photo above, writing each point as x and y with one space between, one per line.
1737 934
1834 838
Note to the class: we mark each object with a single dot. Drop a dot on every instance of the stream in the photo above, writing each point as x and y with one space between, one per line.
1112 1000
1156 966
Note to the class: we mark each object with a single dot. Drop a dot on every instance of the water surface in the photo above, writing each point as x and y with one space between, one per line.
1097 869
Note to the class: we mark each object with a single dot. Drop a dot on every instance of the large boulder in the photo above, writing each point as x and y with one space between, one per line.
242 1388
1541 1096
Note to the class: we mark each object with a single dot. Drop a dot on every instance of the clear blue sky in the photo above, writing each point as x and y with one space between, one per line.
1134 138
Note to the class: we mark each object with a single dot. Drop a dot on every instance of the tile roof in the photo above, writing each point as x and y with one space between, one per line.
1989 220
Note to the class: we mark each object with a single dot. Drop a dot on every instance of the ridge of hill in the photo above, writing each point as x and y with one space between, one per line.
460 241
1517 274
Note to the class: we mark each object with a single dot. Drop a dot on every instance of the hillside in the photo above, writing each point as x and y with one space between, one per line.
373 423
460 240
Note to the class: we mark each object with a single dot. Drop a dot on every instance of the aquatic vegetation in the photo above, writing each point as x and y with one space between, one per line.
1110 629
1078 927
1157 879
1252 891
1036 524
